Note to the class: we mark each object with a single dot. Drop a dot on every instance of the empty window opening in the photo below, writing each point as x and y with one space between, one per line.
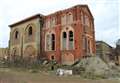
16 35
53 42
70 40
30 31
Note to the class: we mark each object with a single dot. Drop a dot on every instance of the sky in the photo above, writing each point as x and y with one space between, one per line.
106 15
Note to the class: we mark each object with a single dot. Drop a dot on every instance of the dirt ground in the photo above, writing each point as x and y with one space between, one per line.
13 76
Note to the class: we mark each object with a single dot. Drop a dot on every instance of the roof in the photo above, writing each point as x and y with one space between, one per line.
26 19
71 8
102 42
40 15
118 42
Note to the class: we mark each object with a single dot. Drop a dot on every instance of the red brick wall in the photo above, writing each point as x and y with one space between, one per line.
78 52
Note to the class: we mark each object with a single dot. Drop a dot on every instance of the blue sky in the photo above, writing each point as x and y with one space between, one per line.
106 14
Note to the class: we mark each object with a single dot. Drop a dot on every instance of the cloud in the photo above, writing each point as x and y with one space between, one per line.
106 15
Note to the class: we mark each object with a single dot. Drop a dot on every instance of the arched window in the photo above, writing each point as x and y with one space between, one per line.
50 42
64 40
16 35
53 41
30 31
71 40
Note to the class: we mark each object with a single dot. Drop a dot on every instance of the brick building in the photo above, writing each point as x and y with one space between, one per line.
65 35
104 51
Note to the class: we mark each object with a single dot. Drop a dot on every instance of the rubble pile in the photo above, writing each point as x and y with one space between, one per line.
94 66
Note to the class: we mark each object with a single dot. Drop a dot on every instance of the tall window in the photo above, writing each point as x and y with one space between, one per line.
63 19
82 18
67 42
89 46
64 40
50 42
70 40
67 19
16 35
53 21
53 42
30 31
47 23
85 21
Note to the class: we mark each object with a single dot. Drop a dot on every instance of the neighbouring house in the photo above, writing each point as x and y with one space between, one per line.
65 36
117 53
104 51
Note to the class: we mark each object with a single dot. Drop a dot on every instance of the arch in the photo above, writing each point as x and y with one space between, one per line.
67 59
68 42
15 34
29 32
30 28
30 51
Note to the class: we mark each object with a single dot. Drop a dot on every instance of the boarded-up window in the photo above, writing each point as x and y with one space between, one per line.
63 19
53 21
69 18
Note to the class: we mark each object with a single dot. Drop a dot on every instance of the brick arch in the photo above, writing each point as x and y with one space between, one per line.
67 29
15 40
27 37
67 59
30 51
49 33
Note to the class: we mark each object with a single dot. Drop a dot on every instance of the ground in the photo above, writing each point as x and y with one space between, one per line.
18 76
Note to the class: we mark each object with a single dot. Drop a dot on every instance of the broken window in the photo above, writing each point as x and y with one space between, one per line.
85 44
16 35
64 40
70 40
53 42
48 42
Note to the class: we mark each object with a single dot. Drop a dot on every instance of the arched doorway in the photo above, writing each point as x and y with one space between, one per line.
29 52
